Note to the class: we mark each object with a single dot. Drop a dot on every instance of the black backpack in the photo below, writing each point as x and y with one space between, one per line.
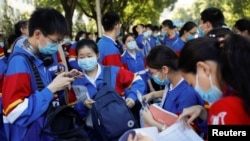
110 115
58 123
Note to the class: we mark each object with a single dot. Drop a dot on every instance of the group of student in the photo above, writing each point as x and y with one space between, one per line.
204 79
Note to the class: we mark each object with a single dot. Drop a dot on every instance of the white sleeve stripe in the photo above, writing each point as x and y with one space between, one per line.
16 112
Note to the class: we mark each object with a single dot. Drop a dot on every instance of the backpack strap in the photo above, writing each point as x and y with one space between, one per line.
107 75
38 79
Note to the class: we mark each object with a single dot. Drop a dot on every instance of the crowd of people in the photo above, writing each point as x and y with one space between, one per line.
198 71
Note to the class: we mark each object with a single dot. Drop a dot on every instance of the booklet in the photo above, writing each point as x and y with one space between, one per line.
162 116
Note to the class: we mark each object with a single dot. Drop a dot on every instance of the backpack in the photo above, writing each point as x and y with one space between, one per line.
58 123
110 115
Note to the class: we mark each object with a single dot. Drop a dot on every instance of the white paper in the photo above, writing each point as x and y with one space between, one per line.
81 92
177 132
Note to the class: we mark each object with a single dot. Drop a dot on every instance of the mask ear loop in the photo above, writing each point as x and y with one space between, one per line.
210 79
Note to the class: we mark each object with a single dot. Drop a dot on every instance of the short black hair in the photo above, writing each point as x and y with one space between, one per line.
20 24
214 16
109 20
187 27
79 34
242 24
49 21
160 56
86 43
169 24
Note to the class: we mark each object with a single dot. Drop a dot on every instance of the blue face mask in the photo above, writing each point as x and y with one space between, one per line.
211 95
190 37
201 32
132 45
158 81
67 40
49 49
87 64
2 44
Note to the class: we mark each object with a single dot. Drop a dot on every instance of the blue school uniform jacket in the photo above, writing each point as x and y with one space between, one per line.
22 102
109 53
125 83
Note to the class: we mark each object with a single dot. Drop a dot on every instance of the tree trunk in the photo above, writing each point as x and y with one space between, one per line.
69 8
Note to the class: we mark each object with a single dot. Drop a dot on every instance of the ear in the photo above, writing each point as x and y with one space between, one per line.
37 34
203 68
98 55
165 69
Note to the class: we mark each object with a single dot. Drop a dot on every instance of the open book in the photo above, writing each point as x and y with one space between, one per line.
176 132
162 116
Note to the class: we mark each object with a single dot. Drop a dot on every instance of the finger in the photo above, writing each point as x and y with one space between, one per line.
130 137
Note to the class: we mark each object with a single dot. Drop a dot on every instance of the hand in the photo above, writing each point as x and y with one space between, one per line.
139 137
147 117
130 102
74 73
148 97
191 113
88 103
60 82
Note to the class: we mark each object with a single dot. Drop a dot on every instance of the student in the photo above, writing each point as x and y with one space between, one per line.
21 31
171 36
210 18
186 33
133 59
234 70
109 52
125 82
242 27
23 104
72 52
142 38
163 65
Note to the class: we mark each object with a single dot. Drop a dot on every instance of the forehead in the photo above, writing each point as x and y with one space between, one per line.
130 38
86 49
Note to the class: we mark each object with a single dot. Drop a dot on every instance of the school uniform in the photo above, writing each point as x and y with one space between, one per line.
125 83
22 103
180 97
109 53
170 41
143 44
73 64
136 65
3 63
178 45
228 110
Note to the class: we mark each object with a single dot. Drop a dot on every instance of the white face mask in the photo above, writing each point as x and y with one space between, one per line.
132 45
211 95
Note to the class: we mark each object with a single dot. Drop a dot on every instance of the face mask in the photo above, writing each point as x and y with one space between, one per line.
201 32
190 37
158 81
210 95
67 40
146 34
132 45
2 44
87 64
49 49
155 35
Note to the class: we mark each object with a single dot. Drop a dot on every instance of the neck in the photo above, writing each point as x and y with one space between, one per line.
183 38
175 78
131 51
33 43
172 34
92 74
111 34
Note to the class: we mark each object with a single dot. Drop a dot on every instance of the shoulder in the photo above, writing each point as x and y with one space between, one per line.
228 110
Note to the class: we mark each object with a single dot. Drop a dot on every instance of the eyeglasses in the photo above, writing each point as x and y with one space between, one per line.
53 41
